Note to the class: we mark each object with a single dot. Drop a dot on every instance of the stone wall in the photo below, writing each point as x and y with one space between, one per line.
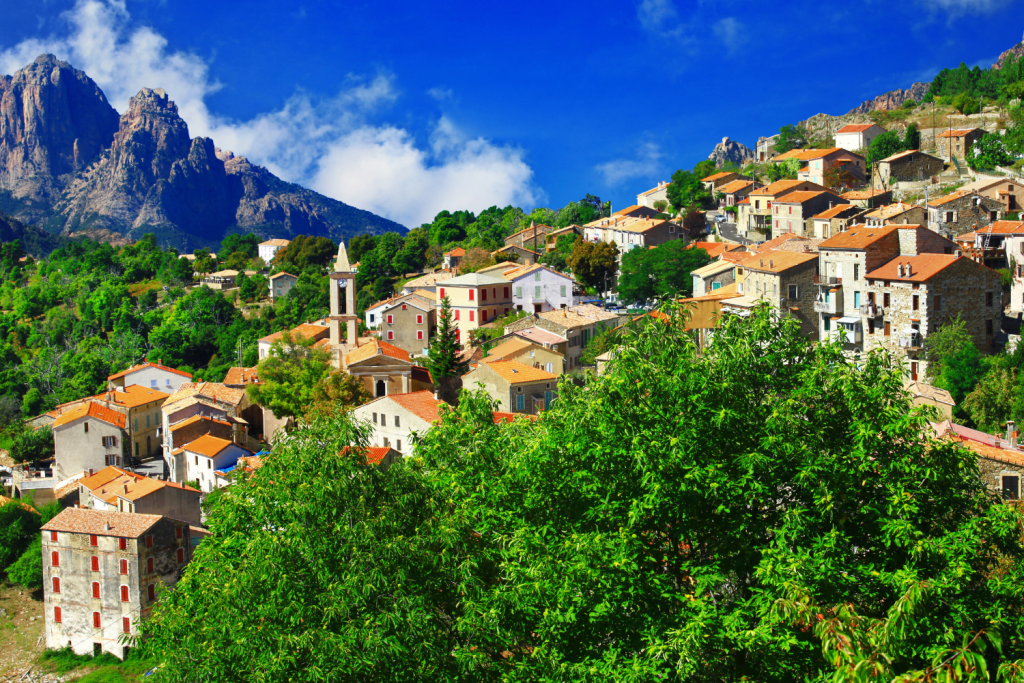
921 240
774 288
964 214
992 472
910 168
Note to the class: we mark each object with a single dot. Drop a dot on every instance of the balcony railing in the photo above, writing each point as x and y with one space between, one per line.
825 306
912 341
871 310
829 280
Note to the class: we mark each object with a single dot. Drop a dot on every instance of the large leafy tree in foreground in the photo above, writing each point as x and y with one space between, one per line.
759 510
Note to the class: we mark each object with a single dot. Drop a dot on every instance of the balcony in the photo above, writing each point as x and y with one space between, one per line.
846 333
828 280
829 302
911 342
871 310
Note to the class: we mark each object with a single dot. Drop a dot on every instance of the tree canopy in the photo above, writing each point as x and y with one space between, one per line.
661 272
594 264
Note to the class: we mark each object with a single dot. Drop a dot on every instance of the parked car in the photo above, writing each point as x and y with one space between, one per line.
720 218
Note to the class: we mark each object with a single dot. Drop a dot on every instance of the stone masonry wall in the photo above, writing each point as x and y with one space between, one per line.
915 241
967 215
992 472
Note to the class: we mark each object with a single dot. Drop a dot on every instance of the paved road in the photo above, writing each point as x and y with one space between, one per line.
731 234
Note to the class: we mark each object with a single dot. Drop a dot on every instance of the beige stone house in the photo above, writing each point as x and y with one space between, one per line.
915 295
962 211
528 353
386 369
785 279
522 255
551 242
532 238
141 407
910 166
835 220
409 324
794 212
735 192
103 572
1007 191
818 163
922 394
317 330
578 325
633 232
87 436
957 143
906 214
757 215
514 386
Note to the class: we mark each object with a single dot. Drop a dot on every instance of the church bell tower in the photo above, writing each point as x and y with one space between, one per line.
343 306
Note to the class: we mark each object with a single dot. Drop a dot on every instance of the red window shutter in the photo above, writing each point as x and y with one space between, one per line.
391 319
96 590
93 541
53 536
181 555
151 592
472 316
149 565
56 584
122 544
55 558
404 307
494 292
95 563
483 316
419 320
483 295
126 624
96 619
391 335
419 334
472 294
506 292
124 593
456 314
442 294
177 532
56 615
124 566
149 541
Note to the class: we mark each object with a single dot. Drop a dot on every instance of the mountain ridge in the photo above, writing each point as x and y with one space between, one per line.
71 164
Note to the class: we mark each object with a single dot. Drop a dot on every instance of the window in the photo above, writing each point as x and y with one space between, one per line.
151 592
505 293
56 584
96 590
109 441
913 304
126 624
55 558
549 367
885 300
456 314
209 464
96 620
177 532
398 445
856 271
152 384
536 292
483 316
419 334
520 402
472 295
95 563
123 566
122 544
56 615
483 294
442 294
988 327
506 310
405 307
86 425
1011 487
793 291
988 299
53 536
391 335
181 555
519 292
419 319
472 316
391 319
149 541
124 593
375 418
149 565
938 302
561 290
856 299
826 324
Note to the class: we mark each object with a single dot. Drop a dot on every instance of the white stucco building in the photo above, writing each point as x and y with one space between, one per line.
208 458
396 417
149 375
537 289
267 250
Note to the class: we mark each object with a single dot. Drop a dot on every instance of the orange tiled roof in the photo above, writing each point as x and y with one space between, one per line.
961 133
215 391
858 237
777 261
93 410
745 200
104 476
899 155
133 396
735 186
952 196
799 197
101 523
715 249
717 176
1010 457
781 187
508 418
515 372
997 228
457 251
143 366
891 210
776 241
375 347
374 454
922 267
837 211
419 403
308 330
863 194
282 274
239 375
207 445
855 128
196 418
4 500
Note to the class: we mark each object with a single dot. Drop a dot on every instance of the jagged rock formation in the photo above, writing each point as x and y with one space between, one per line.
822 127
893 99
70 163
33 240
731 152
1017 51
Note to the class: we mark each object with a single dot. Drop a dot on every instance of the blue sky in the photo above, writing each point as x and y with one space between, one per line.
406 108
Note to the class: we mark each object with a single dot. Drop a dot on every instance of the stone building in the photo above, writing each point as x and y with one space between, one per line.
316 330
1011 236
397 417
962 211
102 573
1000 460
794 212
912 165
786 280
757 214
578 325
915 295
713 276
906 214
835 220
956 144
1007 191
819 162
532 238
141 407
409 324
868 199
87 436
514 386
386 369
519 255
115 490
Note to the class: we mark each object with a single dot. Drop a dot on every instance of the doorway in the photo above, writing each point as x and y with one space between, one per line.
537 308
382 388
1011 487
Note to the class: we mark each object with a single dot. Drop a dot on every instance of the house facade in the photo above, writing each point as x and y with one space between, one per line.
386 369
1007 191
955 144
528 353
578 325
794 212
906 214
910 166
531 238
632 232
757 215
835 220
268 250
476 300
786 280
115 490
397 417
850 167
208 458
152 375
87 436
409 324
514 386
962 211
280 284
654 195
735 192
1012 234
857 136
717 180
713 276
868 199
538 289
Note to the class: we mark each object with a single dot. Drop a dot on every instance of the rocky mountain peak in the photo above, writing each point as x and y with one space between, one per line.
729 151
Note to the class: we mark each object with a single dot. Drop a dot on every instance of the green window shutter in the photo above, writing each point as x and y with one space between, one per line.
519 292
536 292
562 290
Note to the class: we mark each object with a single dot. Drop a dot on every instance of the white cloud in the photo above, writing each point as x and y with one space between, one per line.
645 164
332 145
731 32
958 7
440 94
655 15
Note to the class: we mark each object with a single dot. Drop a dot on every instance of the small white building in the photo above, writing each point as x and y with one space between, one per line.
396 417
267 250
857 135
655 194
150 375
208 458
280 284
537 289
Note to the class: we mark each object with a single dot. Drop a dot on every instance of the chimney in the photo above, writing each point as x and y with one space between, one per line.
126 488
771 263
899 270
908 270
1011 432
90 471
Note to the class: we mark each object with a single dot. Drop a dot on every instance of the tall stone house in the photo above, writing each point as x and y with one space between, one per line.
868 199
915 295
578 325
962 211
907 214
280 284
910 166
844 301
713 276
786 280
103 572
409 324
87 436
956 144
514 386
794 212
757 214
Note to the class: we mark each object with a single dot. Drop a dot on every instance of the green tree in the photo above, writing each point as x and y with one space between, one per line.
19 524
686 191
790 138
989 152
253 288
444 356
359 245
204 263
337 390
947 340
786 169
884 146
32 445
966 104
305 251
662 272
911 136
991 403
558 258
247 244
961 372
412 257
289 375
239 260
594 264
705 168
27 571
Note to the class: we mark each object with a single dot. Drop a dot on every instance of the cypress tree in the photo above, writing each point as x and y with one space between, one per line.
444 357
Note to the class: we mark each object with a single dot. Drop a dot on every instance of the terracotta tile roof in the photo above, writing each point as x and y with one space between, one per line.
952 196
811 154
805 246
634 211
249 463
898 155
931 392
275 243
863 194
961 133
805 169
429 296
194 419
715 267
801 196
735 186
133 396
430 279
735 256
282 274
514 372
374 454
716 176
510 347
655 189
93 410
104 476
745 200
540 335
636 224
891 210
1004 455
509 418
308 330
858 237
855 128
217 392
781 187
131 487
207 445
101 523
514 247
143 366
728 291
513 275
997 228
584 314
715 249
420 403
239 375
457 251
375 347
837 211
922 267
773 243
777 261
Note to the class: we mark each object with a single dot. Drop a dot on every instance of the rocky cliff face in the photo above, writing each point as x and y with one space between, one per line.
70 166
54 121
1017 51
729 151
893 99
